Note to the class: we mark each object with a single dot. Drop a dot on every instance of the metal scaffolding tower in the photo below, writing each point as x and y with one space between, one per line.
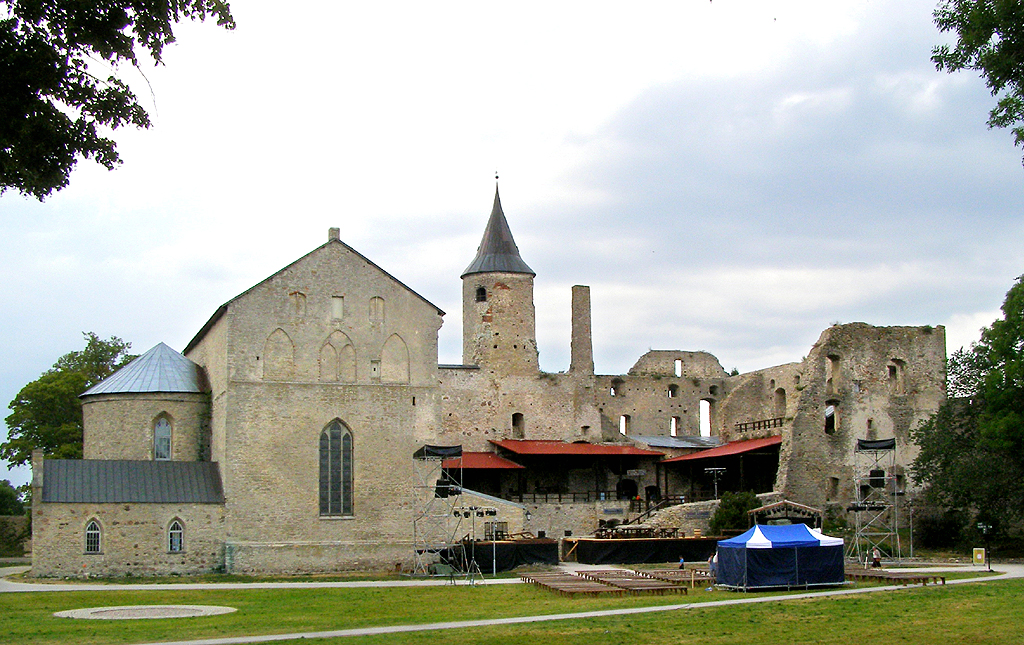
436 522
876 507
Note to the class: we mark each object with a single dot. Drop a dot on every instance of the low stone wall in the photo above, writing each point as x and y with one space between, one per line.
316 557
580 518
14 539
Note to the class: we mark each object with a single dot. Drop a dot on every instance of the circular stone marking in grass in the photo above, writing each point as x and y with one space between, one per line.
134 612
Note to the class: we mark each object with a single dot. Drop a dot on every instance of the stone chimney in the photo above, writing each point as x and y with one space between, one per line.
334 234
582 347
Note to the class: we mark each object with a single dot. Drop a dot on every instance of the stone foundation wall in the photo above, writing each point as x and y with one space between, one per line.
133 539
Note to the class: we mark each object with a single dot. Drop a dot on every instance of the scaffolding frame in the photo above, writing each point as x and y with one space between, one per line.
876 506
436 523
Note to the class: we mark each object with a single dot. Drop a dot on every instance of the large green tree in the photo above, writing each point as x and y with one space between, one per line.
47 413
972 450
990 40
59 83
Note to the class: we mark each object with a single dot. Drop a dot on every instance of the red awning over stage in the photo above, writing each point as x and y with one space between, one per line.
731 448
537 447
481 461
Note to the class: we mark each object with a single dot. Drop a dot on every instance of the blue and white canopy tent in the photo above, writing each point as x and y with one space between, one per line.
791 555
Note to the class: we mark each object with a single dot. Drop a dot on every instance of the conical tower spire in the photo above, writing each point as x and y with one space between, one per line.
497 252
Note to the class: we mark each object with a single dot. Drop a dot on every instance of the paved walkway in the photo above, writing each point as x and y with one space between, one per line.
1007 570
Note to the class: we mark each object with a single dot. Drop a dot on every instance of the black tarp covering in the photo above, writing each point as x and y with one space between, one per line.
438 452
863 445
780 566
494 557
639 551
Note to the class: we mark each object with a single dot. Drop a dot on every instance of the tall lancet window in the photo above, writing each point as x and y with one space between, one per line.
162 439
336 470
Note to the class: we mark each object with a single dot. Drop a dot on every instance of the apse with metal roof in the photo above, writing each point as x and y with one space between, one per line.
161 369
153 409
498 318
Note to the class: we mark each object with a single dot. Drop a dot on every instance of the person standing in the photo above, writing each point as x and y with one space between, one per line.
876 558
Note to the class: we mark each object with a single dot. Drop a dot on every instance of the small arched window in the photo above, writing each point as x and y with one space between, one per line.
162 439
481 294
673 391
175 537
92 537
336 470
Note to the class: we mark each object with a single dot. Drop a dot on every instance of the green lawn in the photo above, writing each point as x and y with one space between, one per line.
977 613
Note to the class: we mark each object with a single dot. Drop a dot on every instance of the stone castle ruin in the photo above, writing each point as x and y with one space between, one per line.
281 438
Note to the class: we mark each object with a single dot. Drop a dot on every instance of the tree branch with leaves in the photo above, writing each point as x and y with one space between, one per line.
54 108
990 40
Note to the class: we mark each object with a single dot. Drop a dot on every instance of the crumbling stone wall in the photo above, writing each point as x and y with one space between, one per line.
880 382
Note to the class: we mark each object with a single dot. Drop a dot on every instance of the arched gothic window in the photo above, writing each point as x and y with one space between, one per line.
162 439
92 537
175 537
336 470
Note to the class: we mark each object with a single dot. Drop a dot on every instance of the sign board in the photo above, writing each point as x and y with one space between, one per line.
979 556
636 473
613 511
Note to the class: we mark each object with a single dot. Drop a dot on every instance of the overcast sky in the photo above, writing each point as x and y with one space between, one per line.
730 176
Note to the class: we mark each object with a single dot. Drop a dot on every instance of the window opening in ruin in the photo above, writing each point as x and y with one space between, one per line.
705 418
673 430
830 418
518 426
771 384
897 384
92 537
624 425
376 309
831 373
336 470
673 391
679 367
780 403
876 479
713 390
162 439
175 537
833 487
337 307
481 294
375 370
899 483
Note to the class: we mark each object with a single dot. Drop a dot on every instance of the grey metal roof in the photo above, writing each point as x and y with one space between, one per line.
109 481
161 369
678 442
497 251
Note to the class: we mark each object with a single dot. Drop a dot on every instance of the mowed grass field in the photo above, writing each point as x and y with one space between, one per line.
986 612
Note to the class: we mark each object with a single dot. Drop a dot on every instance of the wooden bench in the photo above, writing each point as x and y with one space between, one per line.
693 576
895 577
633 582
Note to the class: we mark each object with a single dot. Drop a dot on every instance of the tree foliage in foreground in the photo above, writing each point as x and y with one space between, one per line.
990 39
731 513
47 412
972 450
59 84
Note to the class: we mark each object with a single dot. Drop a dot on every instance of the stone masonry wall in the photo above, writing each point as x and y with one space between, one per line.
500 333
133 541
120 426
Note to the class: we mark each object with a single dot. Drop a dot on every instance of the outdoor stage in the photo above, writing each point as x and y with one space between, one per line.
638 550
